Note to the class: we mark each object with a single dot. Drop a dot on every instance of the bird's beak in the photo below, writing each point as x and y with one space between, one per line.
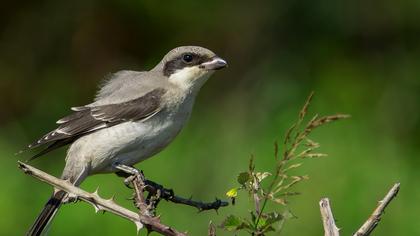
215 63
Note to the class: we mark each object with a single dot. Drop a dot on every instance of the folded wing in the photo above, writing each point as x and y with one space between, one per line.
86 119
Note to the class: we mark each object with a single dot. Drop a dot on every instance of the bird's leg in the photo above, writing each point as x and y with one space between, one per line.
75 181
128 172
126 169
127 178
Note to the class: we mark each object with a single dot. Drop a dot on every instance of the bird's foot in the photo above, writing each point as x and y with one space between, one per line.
128 181
70 198
128 172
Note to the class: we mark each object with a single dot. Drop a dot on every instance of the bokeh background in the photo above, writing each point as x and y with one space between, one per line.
360 57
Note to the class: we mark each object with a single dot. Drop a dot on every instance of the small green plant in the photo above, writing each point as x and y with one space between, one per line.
279 187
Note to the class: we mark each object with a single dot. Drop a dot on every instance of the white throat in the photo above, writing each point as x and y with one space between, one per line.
190 78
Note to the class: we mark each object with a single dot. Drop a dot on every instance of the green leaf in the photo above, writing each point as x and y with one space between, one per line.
273 221
273 217
243 178
232 223
262 223
265 224
232 193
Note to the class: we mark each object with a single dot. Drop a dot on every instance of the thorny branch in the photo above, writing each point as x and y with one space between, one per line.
145 218
99 203
169 195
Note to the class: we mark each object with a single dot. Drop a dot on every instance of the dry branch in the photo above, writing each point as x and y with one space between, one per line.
152 223
374 219
330 229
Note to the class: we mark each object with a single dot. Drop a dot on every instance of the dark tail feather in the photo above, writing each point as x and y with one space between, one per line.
53 146
47 214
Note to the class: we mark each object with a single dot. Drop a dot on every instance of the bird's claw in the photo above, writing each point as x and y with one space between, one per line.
70 198
128 181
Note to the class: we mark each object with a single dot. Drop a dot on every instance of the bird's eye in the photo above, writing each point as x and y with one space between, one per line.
187 58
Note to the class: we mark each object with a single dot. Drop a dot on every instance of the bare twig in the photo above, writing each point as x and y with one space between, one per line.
374 219
152 223
330 229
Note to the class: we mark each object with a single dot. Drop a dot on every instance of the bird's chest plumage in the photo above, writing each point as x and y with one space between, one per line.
131 142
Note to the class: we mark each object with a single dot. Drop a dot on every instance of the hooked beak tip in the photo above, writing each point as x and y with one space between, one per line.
216 63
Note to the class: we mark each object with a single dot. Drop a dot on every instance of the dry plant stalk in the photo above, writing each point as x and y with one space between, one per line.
330 229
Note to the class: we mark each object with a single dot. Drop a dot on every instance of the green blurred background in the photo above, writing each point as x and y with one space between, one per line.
360 57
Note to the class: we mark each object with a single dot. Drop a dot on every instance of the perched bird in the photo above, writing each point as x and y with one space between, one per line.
134 116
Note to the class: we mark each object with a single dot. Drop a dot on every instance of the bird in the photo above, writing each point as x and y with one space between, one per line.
134 115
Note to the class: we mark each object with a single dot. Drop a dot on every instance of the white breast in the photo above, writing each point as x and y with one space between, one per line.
127 143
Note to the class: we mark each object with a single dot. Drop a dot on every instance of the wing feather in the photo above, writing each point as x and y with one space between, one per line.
87 119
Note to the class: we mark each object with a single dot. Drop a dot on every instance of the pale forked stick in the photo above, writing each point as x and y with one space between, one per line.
330 229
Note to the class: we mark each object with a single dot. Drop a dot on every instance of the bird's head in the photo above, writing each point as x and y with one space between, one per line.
190 66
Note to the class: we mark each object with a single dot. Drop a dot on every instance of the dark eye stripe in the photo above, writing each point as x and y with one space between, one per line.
180 63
